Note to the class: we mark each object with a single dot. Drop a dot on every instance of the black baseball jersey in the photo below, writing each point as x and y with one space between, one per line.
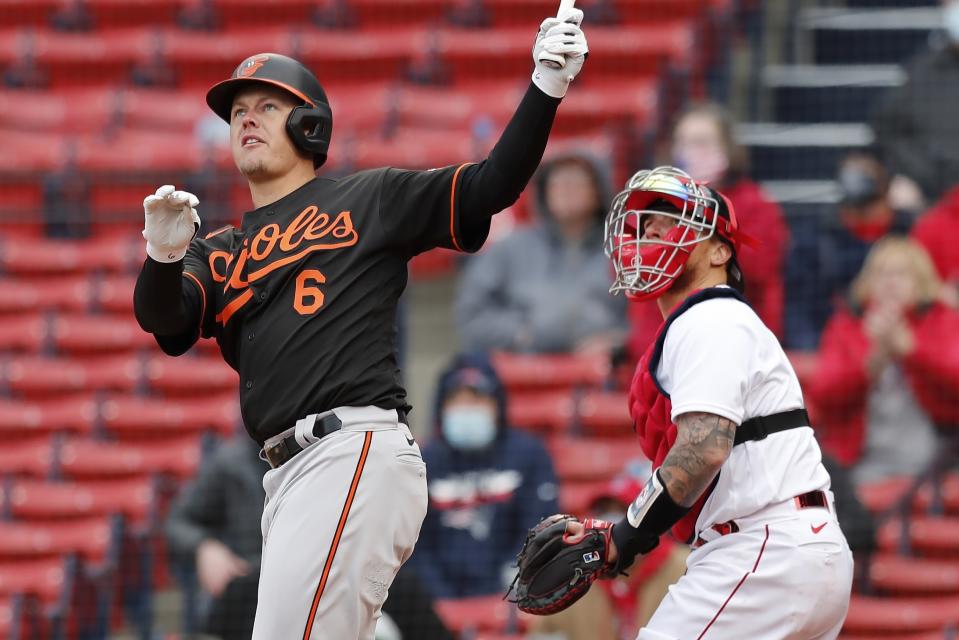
302 297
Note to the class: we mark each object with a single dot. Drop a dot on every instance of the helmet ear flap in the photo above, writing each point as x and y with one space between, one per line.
311 128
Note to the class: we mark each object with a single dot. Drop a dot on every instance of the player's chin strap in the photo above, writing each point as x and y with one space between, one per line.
650 515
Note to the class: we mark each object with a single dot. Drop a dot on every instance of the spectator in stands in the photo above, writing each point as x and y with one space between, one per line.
545 288
213 530
888 370
937 231
488 484
827 253
703 144
915 123
617 609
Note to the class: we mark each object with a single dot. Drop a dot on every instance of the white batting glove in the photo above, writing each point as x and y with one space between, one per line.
171 223
562 36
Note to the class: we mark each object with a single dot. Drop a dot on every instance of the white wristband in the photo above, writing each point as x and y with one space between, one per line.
166 256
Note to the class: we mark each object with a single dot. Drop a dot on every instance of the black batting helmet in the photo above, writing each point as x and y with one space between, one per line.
310 125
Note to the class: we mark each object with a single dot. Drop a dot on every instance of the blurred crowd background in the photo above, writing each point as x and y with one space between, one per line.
130 495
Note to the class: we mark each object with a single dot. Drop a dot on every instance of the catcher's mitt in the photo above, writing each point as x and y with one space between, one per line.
554 572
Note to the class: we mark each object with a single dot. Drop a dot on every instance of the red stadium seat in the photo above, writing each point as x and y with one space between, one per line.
199 59
363 109
91 538
884 616
604 104
90 459
190 376
233 14
527 12
411 148
111 14
481 54
32 457
19 619
576 497
28 152
389 13
435 263
582 459
26 419
460 107
52 257
23 333
95 58
934 537
115 294
901 575
480 613
73 293
78 111
99 334
544 411
131 418
34 13
38 377
351 56
605 414
45 579
162 110
33 500
526 371
132 150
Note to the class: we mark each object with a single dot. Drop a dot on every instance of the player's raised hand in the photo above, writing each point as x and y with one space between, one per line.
171 223
559 51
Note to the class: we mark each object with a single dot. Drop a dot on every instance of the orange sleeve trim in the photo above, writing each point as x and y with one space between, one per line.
217 232
187 274
339 533
224 316
456 176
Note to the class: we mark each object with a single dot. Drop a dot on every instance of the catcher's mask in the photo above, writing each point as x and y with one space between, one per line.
645 268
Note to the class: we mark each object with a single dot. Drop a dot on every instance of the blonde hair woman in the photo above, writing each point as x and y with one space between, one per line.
889 366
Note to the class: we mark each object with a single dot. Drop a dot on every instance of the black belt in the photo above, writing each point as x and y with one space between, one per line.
281 452
759 428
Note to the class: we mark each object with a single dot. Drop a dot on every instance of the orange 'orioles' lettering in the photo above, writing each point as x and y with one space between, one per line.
311 230
305 292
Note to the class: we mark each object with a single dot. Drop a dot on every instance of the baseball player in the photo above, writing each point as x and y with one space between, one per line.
301 298
719 411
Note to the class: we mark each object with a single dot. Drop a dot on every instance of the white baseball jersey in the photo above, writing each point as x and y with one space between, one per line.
720 358
783 571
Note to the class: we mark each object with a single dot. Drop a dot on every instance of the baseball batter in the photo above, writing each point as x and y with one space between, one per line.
719 411
301 298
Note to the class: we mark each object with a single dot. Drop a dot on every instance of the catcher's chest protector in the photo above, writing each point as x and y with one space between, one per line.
650 406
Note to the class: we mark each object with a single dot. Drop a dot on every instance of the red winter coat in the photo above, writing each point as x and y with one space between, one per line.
840 388
937 231
762 265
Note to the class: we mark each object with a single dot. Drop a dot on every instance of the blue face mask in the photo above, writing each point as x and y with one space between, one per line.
469 428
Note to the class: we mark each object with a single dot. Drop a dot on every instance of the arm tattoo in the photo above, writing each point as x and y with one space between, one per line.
702 445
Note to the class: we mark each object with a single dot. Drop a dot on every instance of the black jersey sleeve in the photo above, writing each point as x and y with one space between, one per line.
451 207
170 300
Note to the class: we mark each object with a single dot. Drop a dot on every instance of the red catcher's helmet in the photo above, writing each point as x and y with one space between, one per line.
647 268
309 125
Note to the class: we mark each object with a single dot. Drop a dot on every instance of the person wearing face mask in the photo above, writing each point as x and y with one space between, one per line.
888 370
487 483
617 609
704 146
827 253
915 123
